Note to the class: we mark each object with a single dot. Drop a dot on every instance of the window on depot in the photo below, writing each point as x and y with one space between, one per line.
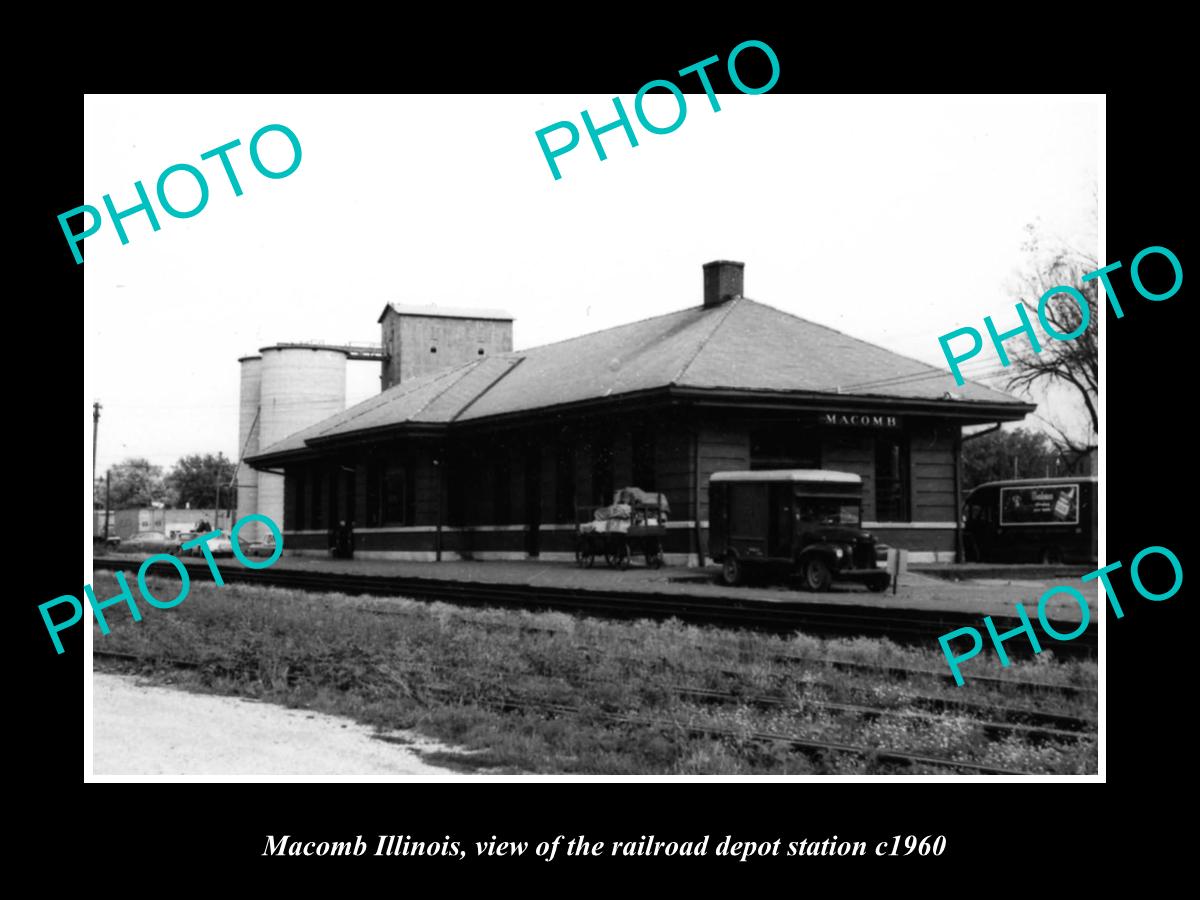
502 488
602 470
564 482
643 458
316 505
299 511
892 486
396 494
374 485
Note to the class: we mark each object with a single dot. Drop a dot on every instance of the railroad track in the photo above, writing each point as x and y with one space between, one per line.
1075 729
1069 691
826 619
806 745
809 746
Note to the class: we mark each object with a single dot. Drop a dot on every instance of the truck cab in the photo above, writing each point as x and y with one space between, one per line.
804 522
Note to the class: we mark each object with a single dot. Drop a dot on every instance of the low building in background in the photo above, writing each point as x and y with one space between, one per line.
125 523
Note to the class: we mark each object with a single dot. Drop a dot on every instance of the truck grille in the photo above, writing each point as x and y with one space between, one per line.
864 555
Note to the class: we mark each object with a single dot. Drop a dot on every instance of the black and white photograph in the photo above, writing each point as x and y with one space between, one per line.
525 437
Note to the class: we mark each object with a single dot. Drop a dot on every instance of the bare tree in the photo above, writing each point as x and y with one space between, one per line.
1073 363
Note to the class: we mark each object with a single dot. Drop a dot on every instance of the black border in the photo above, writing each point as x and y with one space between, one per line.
991 829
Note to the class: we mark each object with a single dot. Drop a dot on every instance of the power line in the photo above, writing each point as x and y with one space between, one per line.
931 372
987 372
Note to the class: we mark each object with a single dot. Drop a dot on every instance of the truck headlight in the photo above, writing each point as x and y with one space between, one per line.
839 552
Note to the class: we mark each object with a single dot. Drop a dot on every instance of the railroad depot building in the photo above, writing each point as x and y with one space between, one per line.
473 450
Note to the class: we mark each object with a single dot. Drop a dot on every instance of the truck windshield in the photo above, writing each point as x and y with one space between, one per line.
829 511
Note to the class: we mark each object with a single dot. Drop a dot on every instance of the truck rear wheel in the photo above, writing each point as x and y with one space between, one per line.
1052 556
817 576
971 550
731 570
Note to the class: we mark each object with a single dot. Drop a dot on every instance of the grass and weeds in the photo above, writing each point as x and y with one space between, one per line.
552 693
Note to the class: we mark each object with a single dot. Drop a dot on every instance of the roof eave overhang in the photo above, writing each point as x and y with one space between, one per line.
977 410
380 432
316 446
268 460
966 411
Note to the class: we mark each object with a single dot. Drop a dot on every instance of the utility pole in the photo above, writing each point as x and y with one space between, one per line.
95 430
107 492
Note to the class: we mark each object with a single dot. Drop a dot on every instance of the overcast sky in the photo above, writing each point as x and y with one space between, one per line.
892 219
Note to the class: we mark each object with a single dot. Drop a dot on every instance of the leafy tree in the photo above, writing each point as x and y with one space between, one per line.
1019 453
135 483
194 479
1071 364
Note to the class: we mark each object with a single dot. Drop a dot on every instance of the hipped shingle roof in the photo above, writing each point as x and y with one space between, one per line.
739 345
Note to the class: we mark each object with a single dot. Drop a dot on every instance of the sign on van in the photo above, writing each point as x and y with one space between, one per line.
1044 504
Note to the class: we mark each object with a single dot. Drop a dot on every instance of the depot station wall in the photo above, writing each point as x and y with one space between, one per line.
472 450
517 492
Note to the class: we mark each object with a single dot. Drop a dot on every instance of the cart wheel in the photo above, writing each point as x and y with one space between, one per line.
585 553
654 555
623 557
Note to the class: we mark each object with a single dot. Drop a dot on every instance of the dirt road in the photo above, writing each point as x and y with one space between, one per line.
143 729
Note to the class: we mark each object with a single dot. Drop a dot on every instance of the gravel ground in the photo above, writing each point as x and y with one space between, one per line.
142 729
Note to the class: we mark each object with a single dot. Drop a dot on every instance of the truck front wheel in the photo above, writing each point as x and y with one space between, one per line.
817 576
731 570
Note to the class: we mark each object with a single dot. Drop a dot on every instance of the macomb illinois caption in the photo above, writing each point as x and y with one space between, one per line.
580 846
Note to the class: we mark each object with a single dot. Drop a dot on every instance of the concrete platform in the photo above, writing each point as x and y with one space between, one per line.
988 596
1062 573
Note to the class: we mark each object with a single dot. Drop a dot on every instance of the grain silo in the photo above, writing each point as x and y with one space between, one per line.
298 385
248 444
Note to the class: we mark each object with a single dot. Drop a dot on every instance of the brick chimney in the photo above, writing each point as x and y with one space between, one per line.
722 281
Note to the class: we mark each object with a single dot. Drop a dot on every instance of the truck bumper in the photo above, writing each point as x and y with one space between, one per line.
864 576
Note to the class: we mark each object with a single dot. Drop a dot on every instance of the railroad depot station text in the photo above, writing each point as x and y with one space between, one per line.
580 845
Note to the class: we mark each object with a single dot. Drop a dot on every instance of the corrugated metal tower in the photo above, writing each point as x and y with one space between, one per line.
419 340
